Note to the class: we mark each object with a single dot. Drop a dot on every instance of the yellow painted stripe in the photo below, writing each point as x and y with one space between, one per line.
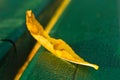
57 15
22 69
37 45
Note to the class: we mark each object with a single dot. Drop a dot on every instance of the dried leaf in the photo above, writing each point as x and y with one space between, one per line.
56 46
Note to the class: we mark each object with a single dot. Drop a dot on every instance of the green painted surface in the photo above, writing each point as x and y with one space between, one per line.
90 35
46 66
91 28
5 47
12 20
12 28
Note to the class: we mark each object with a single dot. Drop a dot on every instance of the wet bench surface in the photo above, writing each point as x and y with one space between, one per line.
91 28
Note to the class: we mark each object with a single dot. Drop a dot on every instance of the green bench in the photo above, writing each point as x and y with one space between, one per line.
90 27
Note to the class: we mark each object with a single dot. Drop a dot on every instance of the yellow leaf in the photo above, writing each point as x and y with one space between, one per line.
56 46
